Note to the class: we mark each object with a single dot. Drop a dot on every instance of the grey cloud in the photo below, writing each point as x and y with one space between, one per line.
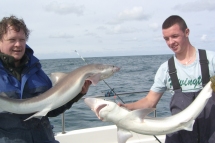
195 6
101 28
63 8
134 39
154 26
62 36
206 38
134 14
118 29
91 34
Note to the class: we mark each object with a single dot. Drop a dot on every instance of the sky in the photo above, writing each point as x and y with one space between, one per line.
98 28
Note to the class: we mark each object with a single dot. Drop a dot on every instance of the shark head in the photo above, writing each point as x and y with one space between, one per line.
106 70
101 107
106 110
101 72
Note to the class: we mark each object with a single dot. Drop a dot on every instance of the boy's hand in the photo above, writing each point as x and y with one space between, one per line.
213 83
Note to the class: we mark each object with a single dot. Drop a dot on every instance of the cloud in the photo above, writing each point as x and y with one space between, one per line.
63 8
133 39
118 29
92 34
62 36
134 14
101 28
154 26
158 38
200 5
204 37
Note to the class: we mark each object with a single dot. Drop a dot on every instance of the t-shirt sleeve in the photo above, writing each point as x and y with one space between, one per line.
160 80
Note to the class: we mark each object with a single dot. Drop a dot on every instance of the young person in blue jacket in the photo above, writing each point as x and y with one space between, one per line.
21 77
184 75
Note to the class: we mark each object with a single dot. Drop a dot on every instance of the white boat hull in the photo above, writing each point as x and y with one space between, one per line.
104 134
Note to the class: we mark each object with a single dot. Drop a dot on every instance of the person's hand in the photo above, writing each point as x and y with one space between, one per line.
121 104
86 86
213 83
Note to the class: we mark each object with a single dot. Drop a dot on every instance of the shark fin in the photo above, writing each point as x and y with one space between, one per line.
1 110
94 79
3 95
123 135
39 114
140 114
189 125
56 77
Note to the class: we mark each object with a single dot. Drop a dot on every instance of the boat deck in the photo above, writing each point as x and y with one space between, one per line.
105 134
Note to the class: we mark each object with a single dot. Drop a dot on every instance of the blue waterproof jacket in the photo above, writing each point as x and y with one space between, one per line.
33 82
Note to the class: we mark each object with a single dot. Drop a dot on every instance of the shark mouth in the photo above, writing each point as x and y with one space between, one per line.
95 106
97 110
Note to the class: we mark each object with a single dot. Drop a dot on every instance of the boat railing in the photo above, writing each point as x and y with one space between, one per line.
63 115
63 123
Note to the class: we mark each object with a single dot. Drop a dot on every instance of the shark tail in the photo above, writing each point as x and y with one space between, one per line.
39 114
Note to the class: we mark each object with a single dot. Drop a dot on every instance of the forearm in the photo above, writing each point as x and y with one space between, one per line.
65 107
150 101
140 104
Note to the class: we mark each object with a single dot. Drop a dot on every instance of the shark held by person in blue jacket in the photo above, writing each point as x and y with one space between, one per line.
66 87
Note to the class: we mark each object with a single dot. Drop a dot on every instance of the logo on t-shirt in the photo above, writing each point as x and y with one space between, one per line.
188 82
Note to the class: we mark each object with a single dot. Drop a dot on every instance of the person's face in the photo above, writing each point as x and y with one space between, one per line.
13 43
175 38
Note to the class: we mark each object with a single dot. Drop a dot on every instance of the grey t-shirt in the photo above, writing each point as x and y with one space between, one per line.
189 76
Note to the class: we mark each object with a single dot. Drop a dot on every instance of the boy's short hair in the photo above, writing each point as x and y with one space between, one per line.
174 19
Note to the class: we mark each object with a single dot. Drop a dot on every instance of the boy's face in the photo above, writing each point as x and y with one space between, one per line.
175 38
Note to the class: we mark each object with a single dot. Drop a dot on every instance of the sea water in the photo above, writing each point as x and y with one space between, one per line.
136 74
